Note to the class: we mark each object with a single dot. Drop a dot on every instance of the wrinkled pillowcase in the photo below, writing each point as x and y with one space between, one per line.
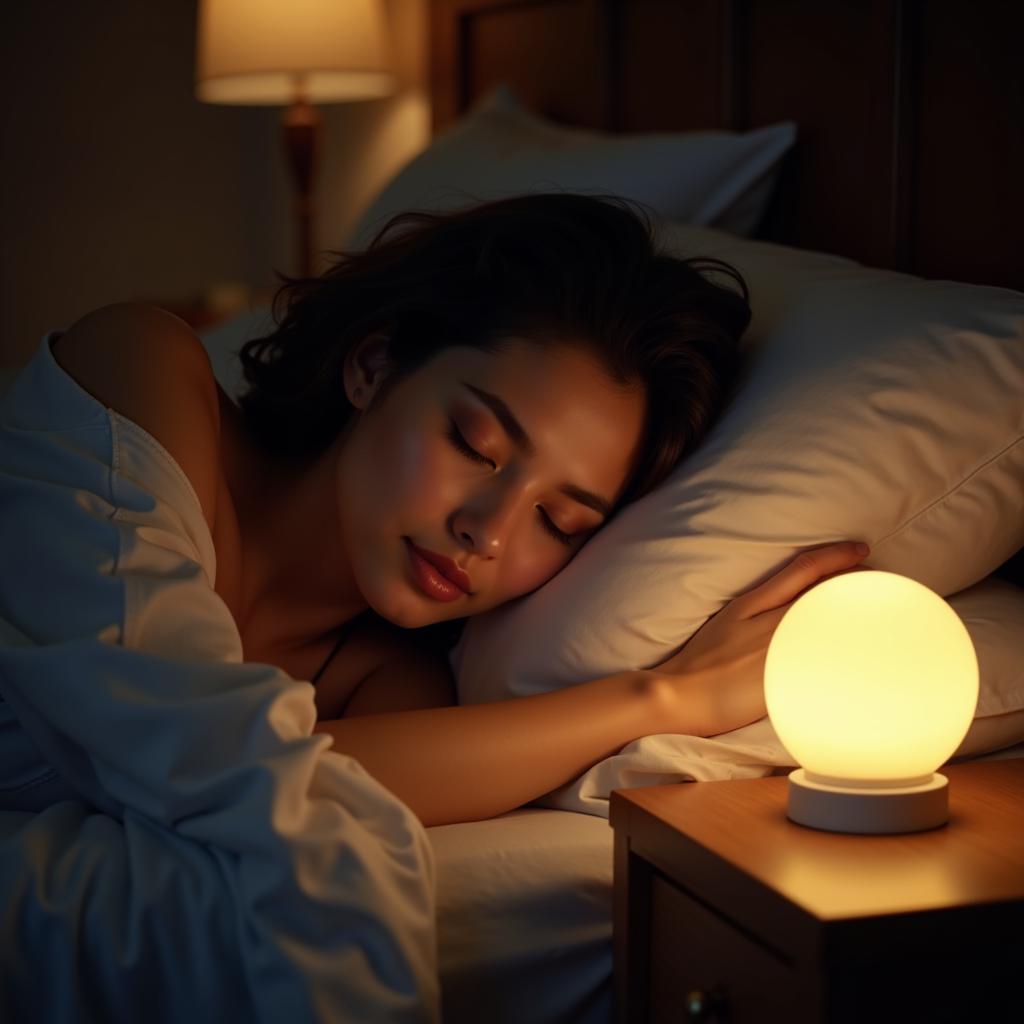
874 406
500 149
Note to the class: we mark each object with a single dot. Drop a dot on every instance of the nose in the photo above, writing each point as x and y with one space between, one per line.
483 522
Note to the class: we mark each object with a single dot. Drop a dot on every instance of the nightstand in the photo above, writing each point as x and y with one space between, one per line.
727 911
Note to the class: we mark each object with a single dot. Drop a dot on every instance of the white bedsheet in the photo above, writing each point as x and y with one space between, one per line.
175 844
524 905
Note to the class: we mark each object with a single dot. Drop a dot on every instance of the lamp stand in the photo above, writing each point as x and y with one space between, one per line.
302 127
877 811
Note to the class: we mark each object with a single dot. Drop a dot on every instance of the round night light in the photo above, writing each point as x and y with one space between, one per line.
871 682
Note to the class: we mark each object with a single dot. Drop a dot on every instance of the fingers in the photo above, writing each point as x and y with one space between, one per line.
843 572
806 570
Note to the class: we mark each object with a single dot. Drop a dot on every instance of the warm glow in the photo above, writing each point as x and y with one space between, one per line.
261 51
871 678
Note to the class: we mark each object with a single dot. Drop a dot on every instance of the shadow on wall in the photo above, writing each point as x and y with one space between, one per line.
121 186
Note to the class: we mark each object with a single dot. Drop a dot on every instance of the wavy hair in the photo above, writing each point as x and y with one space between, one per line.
547 267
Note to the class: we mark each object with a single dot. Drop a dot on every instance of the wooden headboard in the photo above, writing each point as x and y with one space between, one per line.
911 112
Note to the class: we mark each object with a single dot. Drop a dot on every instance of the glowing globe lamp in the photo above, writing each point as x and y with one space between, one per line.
871 682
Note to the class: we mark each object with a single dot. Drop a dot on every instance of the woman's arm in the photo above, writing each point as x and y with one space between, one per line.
466 763
453 764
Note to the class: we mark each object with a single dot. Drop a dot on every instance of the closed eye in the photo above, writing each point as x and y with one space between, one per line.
460 443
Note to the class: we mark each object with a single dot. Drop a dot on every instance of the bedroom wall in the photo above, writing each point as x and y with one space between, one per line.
120 185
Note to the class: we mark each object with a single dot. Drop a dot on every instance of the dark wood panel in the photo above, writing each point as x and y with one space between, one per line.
831 69
969 208
554 52
673 65
532 44
910 152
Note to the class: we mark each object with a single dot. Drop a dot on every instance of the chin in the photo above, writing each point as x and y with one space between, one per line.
408 620
404 611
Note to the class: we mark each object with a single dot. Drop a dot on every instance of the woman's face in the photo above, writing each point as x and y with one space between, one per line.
406 471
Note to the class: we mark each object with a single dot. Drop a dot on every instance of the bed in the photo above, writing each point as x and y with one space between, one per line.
863 145
863 139
909 147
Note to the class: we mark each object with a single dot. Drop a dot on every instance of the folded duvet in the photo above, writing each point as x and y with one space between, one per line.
175 844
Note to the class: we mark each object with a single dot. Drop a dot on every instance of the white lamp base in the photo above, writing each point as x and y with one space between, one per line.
873 811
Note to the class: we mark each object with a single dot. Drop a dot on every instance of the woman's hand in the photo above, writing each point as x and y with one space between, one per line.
722 664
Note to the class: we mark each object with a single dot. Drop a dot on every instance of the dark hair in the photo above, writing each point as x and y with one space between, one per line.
547 267
543 266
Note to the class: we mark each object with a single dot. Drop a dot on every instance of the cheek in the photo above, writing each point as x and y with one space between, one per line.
531 563
414 475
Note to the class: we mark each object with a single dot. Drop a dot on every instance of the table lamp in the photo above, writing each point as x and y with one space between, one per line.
262 52
871 682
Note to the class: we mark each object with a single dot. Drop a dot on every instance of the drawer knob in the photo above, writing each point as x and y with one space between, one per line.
704 1005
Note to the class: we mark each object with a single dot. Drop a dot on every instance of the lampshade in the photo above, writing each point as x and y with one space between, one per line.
258 51
871 682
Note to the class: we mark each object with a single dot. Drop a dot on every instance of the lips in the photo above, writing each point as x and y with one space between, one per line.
445 566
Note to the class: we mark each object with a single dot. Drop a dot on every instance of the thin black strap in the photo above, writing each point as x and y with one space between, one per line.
346 631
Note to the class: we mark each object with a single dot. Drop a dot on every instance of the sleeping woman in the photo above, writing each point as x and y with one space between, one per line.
437 426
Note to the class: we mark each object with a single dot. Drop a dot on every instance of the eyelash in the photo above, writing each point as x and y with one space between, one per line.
460 443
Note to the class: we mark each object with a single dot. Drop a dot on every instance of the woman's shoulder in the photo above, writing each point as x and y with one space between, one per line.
150 367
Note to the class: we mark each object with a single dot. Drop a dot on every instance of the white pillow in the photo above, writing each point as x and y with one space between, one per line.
500 149
992 611
875 406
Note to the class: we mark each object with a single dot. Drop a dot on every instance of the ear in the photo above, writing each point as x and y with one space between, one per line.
366 366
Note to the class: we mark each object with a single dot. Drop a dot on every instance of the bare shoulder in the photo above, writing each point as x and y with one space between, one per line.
151 367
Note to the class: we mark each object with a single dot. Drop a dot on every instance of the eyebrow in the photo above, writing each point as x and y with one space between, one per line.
522 441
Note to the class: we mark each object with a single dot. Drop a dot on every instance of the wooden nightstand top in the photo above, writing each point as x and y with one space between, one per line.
736 838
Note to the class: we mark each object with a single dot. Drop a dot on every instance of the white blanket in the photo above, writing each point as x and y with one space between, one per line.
175 844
